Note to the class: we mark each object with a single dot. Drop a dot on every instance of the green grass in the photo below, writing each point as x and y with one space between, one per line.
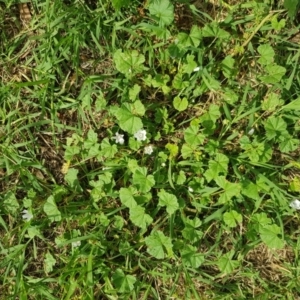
207 214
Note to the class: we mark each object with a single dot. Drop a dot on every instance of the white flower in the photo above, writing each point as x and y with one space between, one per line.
163 164
190 189
295 204
197 69
119 138
148 150
27 216
141 135
251 131
76 244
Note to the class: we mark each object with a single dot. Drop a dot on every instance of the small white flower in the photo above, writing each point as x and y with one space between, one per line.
190 189
76 244
251 131
148 150
163 164
141 135
27 216
119 138
197 69
295 204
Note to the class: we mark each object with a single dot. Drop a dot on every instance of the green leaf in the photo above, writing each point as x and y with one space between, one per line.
230 189
72 180
144 182
71 151
91 140
118 4
278 25
217 166
250 190
295 185
226 264
230 96
288 144
255 151
134 92
10 203
181 178
161 81
108 150
126 196
34 231
138 108
192 137
260 220
275 127
180 104
123 283
49 262
173 149
292 7
191 257
195 36
227 66
271 102
266 54
231 218
178 82
294 105
51 210
190 233
129 62
209 119
191 64
269 235
127 120
157 243
163 10
275 73
168 200
187 151
139 218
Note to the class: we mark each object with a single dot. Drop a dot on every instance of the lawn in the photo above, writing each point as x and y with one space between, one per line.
149 149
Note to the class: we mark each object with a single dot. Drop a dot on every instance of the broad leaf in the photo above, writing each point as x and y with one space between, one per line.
230 189
217 166
232 218
275 127
123 283
129 62
180 104
275 73
266 54
51 210
163 10
126 196
108 150
10 203
269 235
193 137
143 181
157 244
226 264
139 218
49 262
191 257
168 200
127 119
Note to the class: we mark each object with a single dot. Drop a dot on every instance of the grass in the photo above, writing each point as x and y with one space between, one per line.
199 206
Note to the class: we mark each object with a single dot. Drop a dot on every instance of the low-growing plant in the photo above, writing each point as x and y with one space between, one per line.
149 150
